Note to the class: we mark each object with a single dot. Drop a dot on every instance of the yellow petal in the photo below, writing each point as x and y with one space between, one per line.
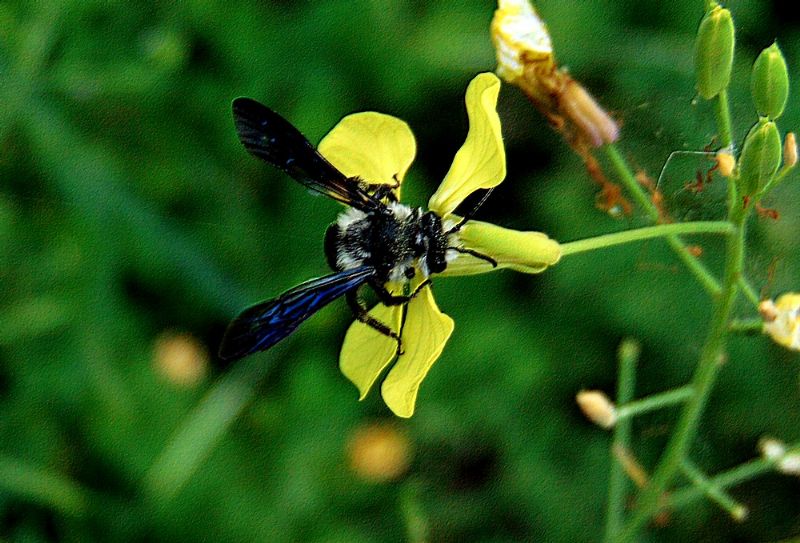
366 352
425 333
783 326
527 252
481 161
375 147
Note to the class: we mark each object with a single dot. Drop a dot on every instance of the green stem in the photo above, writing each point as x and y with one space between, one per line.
749 291
746 326
649 232
654 402
723 112
44 488
732 477
716 494
703 379
703 276
628 355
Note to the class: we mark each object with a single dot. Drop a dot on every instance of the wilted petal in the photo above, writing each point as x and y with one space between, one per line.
366 352
527 252
520 36
424 335
375 147
481 161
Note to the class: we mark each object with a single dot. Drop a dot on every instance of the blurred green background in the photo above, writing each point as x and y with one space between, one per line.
133 226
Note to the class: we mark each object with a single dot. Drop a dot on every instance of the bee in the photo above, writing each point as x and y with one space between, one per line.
374 241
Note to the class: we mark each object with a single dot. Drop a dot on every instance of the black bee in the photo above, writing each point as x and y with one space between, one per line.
374 241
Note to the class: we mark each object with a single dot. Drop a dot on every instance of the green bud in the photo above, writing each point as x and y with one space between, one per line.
770 82
713 52
760 158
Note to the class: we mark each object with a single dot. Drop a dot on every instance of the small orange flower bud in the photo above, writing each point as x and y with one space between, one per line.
379 452
789 150
181 358
597 407
725 163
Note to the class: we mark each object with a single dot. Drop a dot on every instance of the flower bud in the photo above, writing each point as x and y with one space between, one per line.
726 163
769 83
597 408
713 52
771 448
760 158
789 150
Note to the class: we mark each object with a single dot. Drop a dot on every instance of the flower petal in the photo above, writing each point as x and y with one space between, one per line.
377 148
481 161
527 252
366 352
783 326
425 333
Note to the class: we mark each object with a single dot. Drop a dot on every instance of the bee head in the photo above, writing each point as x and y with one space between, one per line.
436 241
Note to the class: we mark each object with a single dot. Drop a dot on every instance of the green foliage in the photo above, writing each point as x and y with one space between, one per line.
128 210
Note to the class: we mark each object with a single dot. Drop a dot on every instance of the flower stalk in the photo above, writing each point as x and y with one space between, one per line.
628 354
704 377
648 232
736 510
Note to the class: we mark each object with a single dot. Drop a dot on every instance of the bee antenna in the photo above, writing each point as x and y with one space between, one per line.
471 214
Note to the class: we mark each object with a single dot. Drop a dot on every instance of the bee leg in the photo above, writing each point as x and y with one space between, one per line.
361 315
476 254
387 298
384 190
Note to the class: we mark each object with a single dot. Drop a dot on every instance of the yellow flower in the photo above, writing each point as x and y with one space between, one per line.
379 149
782 320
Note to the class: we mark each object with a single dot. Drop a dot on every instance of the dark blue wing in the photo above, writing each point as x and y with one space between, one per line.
270 137
261 326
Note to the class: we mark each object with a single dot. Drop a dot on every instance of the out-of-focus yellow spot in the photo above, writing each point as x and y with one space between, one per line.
180 358
379 452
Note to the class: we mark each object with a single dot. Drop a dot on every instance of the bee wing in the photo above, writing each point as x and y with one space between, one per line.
270 137
261 326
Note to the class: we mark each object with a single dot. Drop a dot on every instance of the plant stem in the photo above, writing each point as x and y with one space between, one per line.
704 277
746 326
723 112
654 402
628 355
704 376
649 232
732 477
716 494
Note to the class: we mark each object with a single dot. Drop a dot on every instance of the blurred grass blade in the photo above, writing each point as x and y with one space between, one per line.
44 488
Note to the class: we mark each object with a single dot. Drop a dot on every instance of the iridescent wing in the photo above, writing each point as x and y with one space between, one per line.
270 137
261 326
